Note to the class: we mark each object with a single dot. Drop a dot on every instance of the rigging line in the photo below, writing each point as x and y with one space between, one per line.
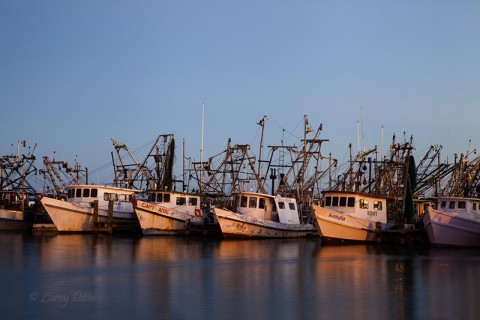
285 130
255 136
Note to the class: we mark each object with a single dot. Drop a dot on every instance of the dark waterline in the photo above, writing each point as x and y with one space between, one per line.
101 276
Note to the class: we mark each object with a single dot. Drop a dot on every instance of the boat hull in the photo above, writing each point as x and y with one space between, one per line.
337 226
70 217
158 220
13 220
237 225
449 230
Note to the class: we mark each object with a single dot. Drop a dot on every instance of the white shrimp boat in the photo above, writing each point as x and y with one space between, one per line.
91 208
455 222
351 216
173 213
259 215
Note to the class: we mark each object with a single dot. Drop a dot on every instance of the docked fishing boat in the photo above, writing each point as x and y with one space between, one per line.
91 208
258 215
18 201
174 213
14 215
455 222
351 216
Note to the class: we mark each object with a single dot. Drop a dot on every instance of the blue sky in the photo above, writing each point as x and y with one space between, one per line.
74 74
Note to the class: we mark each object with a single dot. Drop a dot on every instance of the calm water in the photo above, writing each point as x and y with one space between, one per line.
100 277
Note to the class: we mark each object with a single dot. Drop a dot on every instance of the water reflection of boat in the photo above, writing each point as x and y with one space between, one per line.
259 215
92 208
455 222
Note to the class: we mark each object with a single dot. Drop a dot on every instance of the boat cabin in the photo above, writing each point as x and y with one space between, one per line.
267 207
182 202
357 204
86 194
458 204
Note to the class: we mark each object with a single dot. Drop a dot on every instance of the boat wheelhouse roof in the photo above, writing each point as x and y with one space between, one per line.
109 188
449 198
257 194
174 192
353 193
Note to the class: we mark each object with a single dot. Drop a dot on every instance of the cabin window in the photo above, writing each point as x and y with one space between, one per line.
122 197
335 202
281 205
193 201
181 201
166 197
86 193
94 193
161 197
474 206
151 197
71 193
351 202
451 205
343 201
444 204
110 196
243 202
462 204
363 204
252 202
291 206
377 205
78 193
328 201
261 203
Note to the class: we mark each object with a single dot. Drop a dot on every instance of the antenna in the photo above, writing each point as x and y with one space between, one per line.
363 131
381 147
358 136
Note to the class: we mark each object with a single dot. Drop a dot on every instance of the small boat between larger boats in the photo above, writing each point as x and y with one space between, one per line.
17 210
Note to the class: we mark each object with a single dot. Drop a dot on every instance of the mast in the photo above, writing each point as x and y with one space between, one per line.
262 124
183 167
201 150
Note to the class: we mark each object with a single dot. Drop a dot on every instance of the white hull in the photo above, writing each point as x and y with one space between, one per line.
158 220
71 217
238 225
13 220
450 230
333 225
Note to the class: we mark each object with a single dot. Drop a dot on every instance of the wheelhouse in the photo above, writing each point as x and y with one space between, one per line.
173 198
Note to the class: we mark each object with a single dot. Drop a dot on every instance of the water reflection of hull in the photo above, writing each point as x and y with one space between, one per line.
450 230
238 225
188 278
